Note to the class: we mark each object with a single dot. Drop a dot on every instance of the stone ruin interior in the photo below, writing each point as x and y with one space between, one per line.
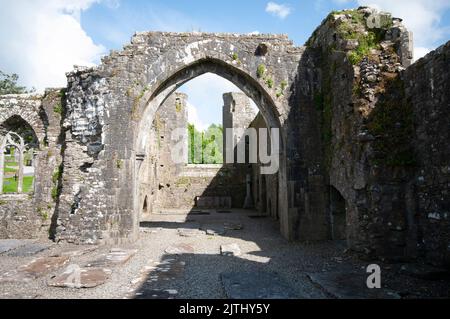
364 151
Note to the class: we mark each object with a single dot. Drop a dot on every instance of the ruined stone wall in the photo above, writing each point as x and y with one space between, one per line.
365 144
384 133
34 215
237 114
354 124
427 89
111 107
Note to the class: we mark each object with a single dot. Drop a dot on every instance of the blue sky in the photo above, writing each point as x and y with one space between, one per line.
113 26
43 39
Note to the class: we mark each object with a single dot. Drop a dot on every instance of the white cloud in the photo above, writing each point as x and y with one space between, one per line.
279 10
420 52
422 17
193 117
43 39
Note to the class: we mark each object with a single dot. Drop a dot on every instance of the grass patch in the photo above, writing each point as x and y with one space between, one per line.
10 185
10 169
366 44
351 30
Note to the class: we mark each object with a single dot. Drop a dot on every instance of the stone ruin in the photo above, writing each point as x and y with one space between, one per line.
364 135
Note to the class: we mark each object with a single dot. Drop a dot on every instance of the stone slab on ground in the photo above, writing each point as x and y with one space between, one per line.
76 277
230 250
180 249
37 268
345 285
29 249
115 257
214 230
256 285
42 266
10 244
190 232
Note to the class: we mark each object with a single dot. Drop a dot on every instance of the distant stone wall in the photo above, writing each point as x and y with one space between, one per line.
176 186
427 88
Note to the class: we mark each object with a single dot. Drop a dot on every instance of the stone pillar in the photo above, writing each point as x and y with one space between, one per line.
237 114
248 203
20 177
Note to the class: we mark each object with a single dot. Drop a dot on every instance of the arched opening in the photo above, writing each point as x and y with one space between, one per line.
18 145
338 215
149 121
145 206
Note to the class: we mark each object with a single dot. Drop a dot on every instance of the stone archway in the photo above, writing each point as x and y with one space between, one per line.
153 100
110 106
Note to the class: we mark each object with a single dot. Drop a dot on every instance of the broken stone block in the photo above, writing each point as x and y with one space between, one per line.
76 277
180 249
214 230
230 250
116 257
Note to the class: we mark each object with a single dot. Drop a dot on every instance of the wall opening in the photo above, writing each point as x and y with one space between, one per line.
18 146
338 215
204 108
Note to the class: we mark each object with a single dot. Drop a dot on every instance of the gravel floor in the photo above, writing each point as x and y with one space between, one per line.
195 271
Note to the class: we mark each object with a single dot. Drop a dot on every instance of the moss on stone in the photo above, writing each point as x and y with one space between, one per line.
54 193
269 82
261 71
178 107
392 124
183 181
58 109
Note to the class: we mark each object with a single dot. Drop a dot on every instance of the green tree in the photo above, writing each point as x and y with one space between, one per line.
205 147
8 84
